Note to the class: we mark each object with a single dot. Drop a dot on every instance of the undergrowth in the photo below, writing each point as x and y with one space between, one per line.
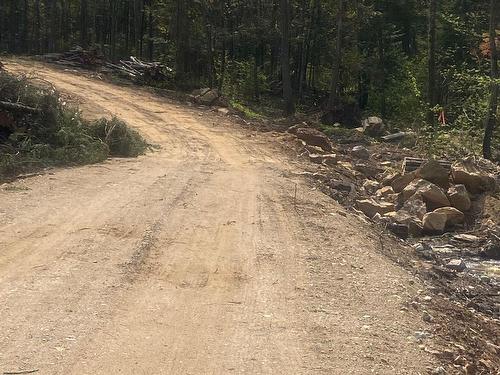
55 134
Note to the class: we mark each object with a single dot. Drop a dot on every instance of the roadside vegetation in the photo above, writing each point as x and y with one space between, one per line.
39 129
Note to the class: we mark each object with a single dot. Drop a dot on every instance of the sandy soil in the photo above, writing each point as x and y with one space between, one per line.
193 259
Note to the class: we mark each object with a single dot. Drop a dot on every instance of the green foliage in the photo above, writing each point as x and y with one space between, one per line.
235 45
57 135
120 138
241 81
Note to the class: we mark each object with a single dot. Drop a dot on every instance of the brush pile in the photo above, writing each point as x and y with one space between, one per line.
38 129
140 70
77 57
134 69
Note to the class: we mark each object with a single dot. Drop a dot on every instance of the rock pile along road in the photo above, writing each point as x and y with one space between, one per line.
193 259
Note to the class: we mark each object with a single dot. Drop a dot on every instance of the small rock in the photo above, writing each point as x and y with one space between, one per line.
460 360
329 159
459 197
316 158
426 317
491 250
370 186
385 192
424 250
367 170
293 129
342 186
439 371
223 111
421 247
312 149
389 177
370 207
360 152
456 265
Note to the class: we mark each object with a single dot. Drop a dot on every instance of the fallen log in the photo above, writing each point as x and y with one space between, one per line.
16 107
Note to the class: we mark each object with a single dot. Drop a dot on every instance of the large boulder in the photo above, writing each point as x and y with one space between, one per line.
370 207
453 216
459 198
467 173
398 183
434 222
314 137
434 172
374 126
432 194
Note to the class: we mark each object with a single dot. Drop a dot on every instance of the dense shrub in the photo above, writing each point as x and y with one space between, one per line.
120 139
56 135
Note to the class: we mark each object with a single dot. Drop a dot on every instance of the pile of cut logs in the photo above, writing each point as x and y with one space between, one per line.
133 68
137 69
77 57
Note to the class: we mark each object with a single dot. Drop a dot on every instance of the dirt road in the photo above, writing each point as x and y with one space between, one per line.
193 259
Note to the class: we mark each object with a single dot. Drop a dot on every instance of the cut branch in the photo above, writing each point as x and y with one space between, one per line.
19 107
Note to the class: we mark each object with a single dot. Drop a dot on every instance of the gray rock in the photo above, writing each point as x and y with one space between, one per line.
456 265
360 152
370 207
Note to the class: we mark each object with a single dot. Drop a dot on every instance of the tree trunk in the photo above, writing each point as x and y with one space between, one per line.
84 39
336 87
151 31
491 118
431 87
285 58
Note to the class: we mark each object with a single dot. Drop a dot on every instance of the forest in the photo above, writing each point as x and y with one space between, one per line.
426 65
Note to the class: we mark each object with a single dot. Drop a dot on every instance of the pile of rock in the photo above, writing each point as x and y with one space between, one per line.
317 145
429 200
